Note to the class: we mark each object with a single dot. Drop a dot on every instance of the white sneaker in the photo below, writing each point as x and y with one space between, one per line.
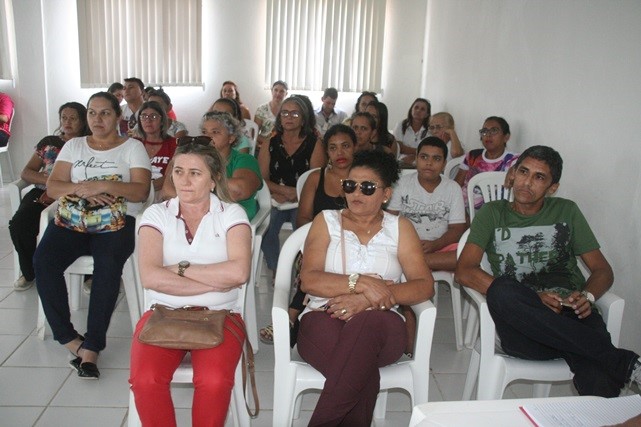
23 284
86 286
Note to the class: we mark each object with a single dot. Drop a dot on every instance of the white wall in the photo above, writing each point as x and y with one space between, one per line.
565 74
233 49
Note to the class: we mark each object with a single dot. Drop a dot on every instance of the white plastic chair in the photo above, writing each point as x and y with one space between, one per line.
495 369
259 225
293 376
301 182
491 186
185 374
251 131
5 150
452 167
16 189
82 266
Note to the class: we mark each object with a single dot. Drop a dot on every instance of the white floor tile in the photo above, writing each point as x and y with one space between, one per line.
20 416
30 386
111 391
82 417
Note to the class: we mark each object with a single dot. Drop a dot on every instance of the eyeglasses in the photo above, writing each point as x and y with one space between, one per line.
295 114
367 187
491 131
149 116
200 140
436 128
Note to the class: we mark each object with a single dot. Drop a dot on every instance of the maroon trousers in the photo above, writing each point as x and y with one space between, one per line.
349 354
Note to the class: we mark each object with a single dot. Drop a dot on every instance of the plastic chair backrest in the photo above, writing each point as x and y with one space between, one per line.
301 182
491 186
452 167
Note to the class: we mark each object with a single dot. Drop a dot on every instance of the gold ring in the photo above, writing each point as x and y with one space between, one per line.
343 311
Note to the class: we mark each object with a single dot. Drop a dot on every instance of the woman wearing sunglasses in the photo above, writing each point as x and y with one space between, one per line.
352 305
152 126
195 250
492 158
292 151
222 131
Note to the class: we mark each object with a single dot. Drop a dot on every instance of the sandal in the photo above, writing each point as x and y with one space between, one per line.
267 334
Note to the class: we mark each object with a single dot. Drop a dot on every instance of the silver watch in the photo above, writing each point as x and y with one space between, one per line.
588 295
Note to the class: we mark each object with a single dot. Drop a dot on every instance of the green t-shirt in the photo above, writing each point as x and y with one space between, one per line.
245 161
539 251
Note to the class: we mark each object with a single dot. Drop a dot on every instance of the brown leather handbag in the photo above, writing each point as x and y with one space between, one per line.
197 328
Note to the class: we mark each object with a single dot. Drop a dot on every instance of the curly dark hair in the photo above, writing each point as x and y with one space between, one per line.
382 163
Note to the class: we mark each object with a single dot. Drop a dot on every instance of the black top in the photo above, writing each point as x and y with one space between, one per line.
285 169
322 200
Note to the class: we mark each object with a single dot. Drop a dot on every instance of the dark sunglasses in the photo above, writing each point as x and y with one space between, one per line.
200 140
367 187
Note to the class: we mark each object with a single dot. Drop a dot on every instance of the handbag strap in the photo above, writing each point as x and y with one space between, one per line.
340 221
248 364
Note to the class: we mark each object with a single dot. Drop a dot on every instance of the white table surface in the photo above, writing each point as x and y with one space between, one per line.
479 413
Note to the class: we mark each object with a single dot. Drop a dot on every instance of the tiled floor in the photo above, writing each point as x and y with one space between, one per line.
38 388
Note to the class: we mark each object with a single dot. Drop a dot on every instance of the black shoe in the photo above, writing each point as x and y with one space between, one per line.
88 371
75 363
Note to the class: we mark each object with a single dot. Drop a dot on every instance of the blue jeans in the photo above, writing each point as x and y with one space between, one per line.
530 330
271 244
57 250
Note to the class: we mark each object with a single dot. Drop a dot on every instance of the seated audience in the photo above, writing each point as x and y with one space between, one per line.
265 116
108 176
244 179
493 157
134 97
293 150
364 99
229 90
321 191
442 126
540 302
382 140
231 107
350 326
413 129
152 125
364 125
176 129
327 115
23 227
117 90
195 251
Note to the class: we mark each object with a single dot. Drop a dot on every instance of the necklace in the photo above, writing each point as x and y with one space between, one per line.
372 225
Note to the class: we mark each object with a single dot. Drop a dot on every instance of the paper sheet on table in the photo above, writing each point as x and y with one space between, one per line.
584 414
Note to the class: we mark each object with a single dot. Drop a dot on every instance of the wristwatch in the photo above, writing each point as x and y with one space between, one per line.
589 296
182 266
351 284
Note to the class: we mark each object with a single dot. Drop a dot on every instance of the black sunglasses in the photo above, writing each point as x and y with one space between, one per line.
367 187
200 140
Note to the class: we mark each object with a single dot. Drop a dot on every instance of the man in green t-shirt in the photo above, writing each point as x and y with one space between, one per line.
539 300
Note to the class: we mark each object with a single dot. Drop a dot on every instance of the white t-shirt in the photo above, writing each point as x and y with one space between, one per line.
114 164
409 138
430 213
209 246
